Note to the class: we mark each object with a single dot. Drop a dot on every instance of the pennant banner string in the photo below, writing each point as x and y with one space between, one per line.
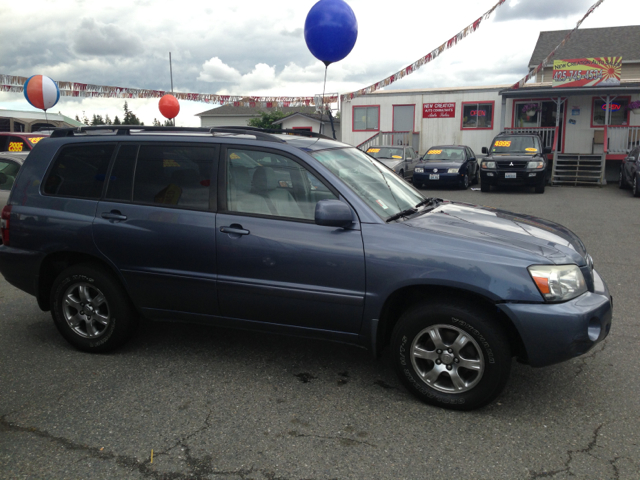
423 60
12 83
544 62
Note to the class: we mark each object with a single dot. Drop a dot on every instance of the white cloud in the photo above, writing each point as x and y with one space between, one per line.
215 70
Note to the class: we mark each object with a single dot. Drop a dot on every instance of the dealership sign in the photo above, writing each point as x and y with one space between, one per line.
439 110
587 72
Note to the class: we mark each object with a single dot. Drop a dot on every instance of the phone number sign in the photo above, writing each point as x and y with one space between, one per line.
587 72
438 110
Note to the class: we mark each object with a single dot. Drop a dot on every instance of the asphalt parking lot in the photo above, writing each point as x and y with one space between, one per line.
223 404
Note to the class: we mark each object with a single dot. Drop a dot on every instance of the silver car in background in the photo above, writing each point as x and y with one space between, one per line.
10 163
399 158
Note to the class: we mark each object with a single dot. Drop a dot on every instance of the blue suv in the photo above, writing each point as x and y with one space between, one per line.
299 235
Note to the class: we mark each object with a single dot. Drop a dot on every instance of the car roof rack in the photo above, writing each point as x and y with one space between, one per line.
121 130
265 134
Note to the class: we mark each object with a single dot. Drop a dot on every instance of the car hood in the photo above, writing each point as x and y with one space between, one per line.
514 157
482 224
440 166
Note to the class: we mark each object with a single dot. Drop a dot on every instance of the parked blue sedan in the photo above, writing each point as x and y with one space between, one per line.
447 165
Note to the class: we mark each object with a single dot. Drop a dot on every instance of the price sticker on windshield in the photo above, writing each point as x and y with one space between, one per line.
434 152
396 156
373 150
34 140
502 143
531 149
234 156
15 146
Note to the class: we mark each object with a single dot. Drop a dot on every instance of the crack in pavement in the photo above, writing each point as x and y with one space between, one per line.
567 465
197 468
590 356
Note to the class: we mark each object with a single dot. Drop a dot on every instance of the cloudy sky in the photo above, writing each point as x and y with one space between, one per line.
249 47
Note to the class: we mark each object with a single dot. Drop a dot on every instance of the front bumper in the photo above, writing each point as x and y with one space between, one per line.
523 177
553 333
443 178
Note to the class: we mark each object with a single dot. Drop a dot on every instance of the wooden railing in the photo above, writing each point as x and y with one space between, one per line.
621 139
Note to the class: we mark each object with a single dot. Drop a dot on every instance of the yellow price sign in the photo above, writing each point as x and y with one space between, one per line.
396 156
166 163
531 149
373 150
16 146
502 143
234 156
34 140
434 152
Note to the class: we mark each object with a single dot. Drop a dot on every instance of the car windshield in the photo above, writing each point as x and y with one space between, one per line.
515 144
378 186
444 154
386 152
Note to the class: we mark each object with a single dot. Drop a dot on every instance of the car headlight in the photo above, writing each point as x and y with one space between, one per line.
419 170
558 283
535 165
453 170
488 164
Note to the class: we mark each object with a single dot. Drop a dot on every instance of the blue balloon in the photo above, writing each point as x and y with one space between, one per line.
330 30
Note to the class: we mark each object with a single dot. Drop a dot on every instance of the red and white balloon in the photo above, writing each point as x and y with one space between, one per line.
41 92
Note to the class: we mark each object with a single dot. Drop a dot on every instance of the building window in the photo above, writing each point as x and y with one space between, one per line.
366 118
477 115
618 108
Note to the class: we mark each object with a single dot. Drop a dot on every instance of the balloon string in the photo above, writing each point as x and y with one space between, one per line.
326 67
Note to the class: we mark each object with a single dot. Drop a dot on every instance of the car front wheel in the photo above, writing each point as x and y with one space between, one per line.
485 187
451 355
636 186
91 309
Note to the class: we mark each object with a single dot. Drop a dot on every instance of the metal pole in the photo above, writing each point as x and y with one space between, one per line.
171 76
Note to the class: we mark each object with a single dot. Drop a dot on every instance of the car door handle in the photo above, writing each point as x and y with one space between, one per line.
114 216
235 229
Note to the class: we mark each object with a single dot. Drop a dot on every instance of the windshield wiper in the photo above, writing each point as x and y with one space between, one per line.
403 213
410 211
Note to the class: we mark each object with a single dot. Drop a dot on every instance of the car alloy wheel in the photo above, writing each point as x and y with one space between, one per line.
86 310
453 367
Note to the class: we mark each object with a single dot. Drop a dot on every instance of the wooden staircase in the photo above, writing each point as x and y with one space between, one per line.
578 169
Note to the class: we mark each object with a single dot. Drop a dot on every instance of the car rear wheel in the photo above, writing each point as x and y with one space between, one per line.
636 186
621 182
451 355
476 179
91 309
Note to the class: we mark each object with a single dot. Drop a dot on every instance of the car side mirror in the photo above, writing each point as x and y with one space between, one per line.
485 150
333 213
546 150
3 178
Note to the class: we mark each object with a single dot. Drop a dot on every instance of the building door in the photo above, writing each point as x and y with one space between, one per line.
403 118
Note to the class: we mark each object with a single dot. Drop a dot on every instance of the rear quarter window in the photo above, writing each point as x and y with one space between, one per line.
79 171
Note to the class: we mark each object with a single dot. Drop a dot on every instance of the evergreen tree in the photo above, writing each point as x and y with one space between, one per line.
116 120
107 120
130 118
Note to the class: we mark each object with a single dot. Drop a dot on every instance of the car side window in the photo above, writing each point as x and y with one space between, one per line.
10 170
264 183
471 154
79 171
178 176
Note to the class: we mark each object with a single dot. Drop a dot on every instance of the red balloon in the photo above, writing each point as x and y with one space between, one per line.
169 106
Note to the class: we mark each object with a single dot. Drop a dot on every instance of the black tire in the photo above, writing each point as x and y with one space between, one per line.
486 349
401 173
621 182
540 187
465 183
110 319
485 187
636 186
